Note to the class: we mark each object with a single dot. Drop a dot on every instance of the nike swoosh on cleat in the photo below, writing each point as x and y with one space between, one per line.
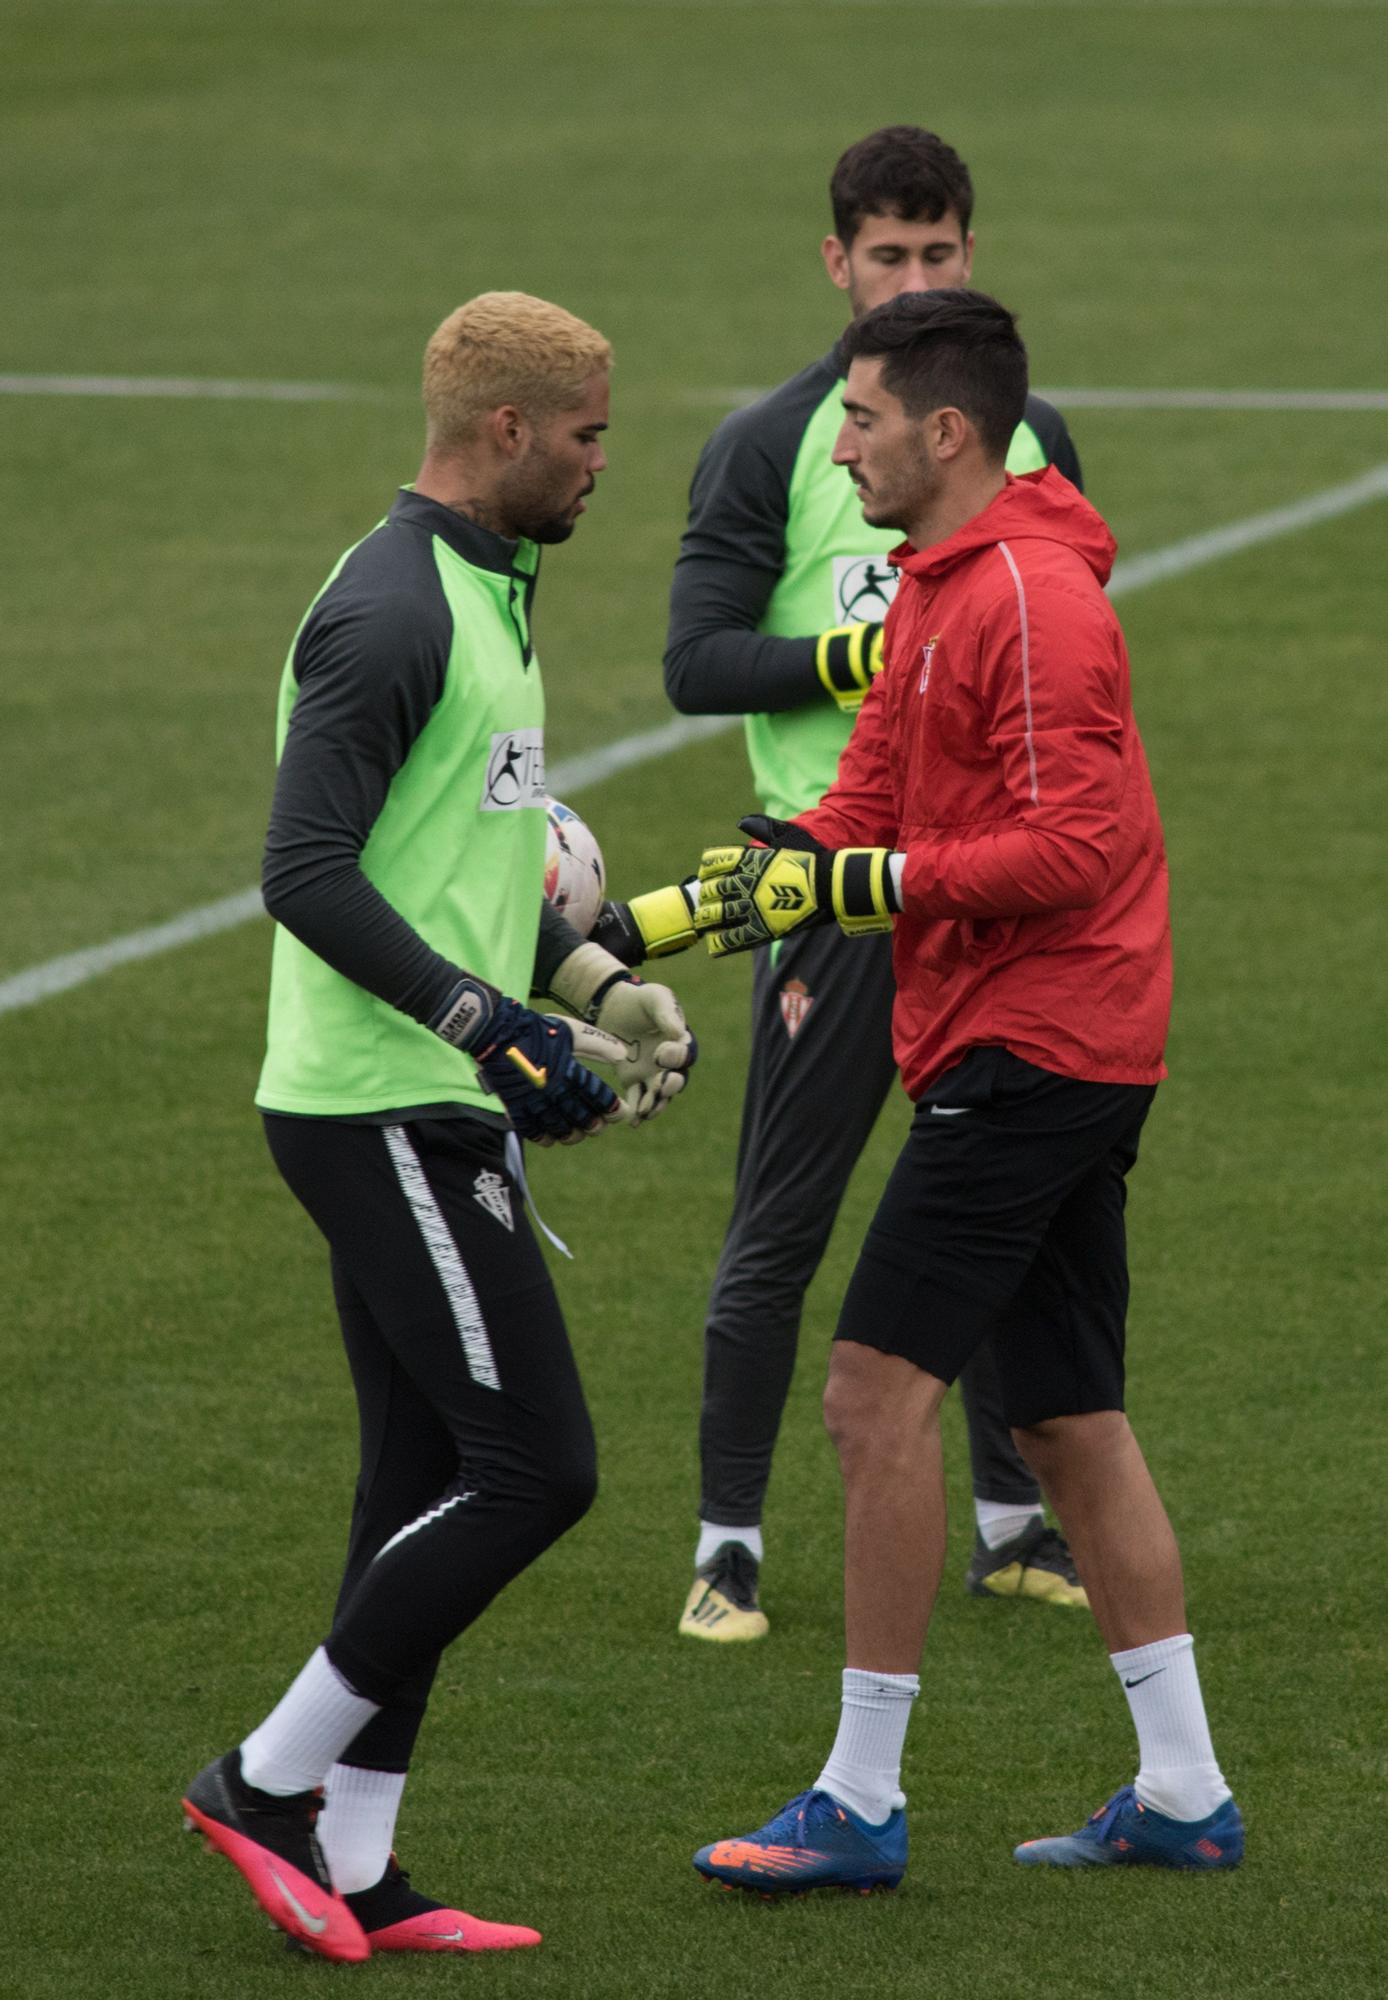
950 1110
315 1926
445 1937
1144 1677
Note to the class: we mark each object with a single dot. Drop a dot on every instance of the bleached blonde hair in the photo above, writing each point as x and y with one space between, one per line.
506 347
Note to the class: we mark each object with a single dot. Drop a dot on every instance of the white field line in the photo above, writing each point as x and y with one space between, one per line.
1129 399
593 767
213 390
183 386
1216 543
1218 399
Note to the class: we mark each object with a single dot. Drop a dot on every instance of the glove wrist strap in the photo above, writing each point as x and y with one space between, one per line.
466 1014
580 980
664 917
846 658
864 898
594 1007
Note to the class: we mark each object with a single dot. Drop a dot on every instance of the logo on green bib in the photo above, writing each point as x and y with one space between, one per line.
515 771
864 587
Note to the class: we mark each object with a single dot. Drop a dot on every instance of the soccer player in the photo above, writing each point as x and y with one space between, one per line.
405 867
994 809
776 613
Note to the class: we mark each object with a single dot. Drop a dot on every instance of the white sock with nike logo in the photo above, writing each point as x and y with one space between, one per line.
303 1736
864 1767
1178 1774
356 1828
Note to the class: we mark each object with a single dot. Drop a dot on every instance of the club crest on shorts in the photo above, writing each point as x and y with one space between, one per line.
491 1191
927 659
796 1002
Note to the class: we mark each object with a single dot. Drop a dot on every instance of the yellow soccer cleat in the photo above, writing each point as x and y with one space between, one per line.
722 1603
1035 1564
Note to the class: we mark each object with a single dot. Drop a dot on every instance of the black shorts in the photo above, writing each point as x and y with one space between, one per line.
465 1382
1004 1216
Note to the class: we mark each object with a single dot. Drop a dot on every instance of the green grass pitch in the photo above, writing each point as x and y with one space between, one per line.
1173 196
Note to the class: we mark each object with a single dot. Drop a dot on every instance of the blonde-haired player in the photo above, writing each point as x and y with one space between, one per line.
405 868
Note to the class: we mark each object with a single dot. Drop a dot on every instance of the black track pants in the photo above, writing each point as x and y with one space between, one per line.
476 1447
819 1071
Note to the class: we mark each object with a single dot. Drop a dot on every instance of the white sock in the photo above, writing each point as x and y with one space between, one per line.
712 1537
356 1828
300 1739
1178 1774
864 1767
1002 1521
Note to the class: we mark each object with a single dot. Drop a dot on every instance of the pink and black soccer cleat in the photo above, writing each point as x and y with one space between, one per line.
396 1917
272 1842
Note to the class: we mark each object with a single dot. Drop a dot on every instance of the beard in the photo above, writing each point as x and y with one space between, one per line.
908 488
532 503
553 528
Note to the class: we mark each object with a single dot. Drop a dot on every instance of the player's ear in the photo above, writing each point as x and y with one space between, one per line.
835 261
949 431
969 257
508 429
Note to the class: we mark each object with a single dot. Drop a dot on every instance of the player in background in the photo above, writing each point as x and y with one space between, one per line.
405 867
994 812
776 613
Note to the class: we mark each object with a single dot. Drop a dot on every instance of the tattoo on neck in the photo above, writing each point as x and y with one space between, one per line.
480 514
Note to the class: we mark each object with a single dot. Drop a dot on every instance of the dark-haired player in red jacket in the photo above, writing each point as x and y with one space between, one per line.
993 807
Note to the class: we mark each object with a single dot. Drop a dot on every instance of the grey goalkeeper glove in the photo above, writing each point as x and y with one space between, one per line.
657 1049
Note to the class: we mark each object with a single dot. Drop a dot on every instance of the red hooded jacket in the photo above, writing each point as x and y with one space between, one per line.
998 749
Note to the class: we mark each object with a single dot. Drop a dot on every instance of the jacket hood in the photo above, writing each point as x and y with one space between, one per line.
1037 506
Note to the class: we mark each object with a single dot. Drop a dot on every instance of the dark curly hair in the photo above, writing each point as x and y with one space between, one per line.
901 170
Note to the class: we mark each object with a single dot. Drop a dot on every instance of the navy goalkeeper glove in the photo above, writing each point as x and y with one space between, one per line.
532 1063
750 896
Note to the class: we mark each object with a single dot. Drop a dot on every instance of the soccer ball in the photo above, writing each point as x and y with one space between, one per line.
575 879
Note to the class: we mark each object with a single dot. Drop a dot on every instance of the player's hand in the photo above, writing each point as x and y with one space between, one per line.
653 1049
532 1063
846 659
750 896
658 1049
649 926
536 1063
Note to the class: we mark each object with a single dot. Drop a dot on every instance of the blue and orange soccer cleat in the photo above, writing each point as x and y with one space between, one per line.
812 1843
1125 1833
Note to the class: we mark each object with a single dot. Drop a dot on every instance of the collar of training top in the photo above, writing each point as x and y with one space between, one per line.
478 546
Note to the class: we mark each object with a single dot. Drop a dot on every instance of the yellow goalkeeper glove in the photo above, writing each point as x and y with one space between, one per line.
649 926
750 896
846 659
